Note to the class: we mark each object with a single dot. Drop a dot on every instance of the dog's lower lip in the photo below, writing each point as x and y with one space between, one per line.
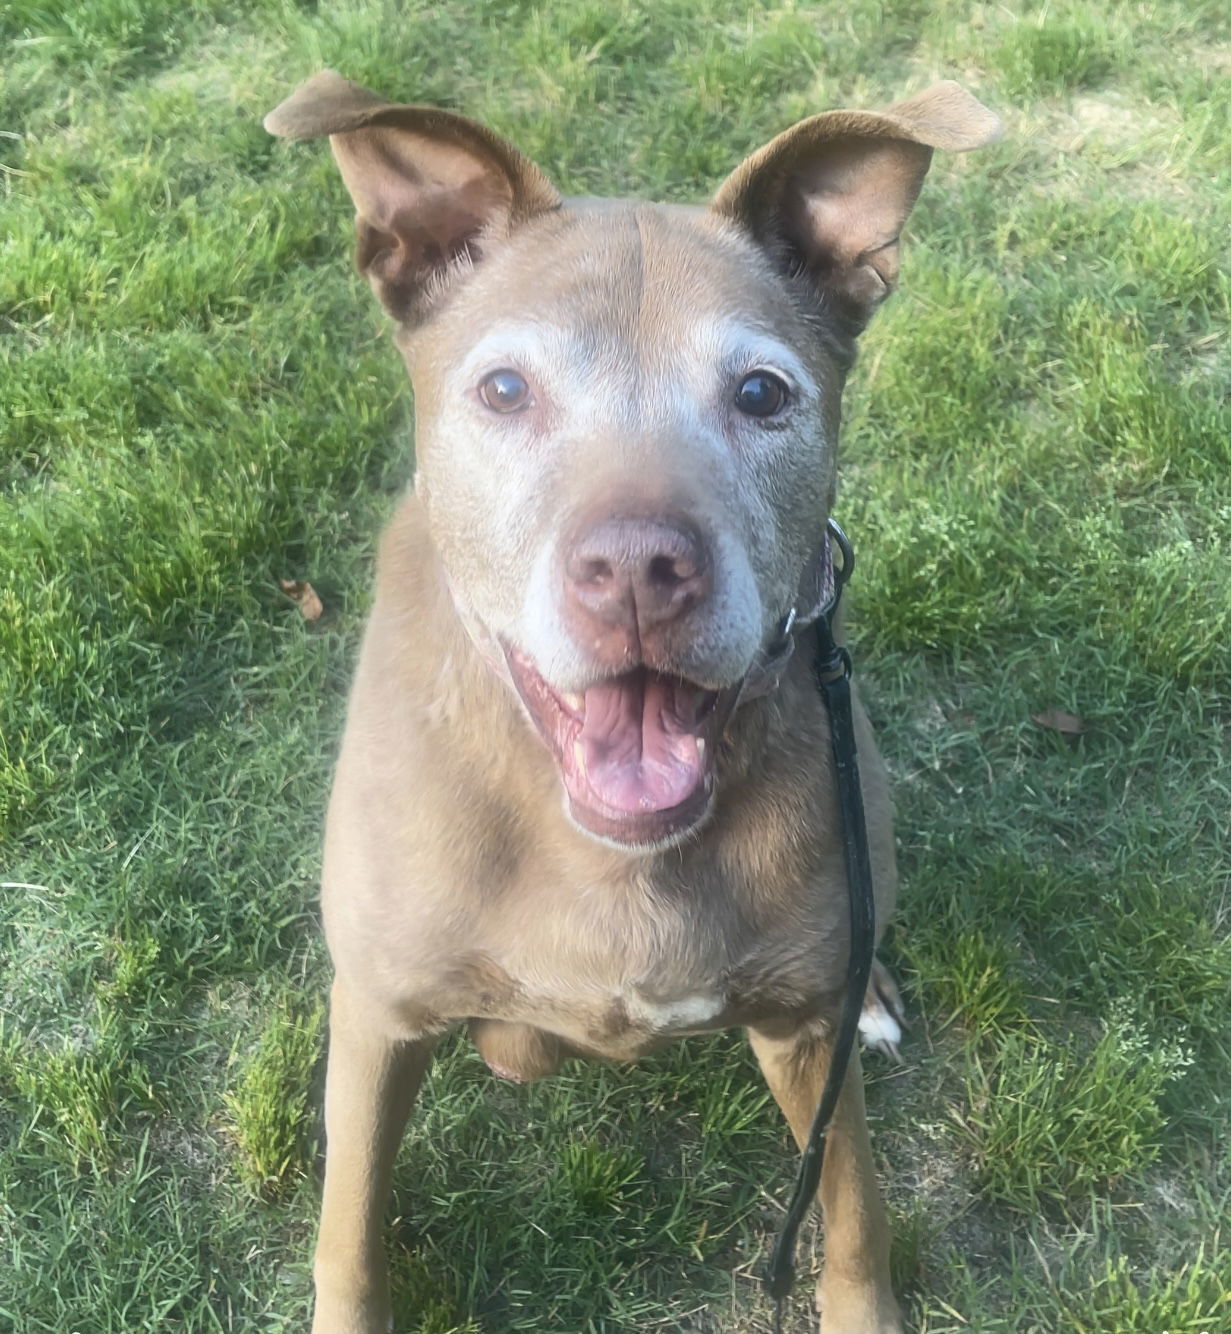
644 830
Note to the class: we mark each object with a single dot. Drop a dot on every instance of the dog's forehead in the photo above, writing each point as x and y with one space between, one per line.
651 278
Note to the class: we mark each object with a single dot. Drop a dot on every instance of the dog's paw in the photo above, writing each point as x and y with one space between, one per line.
883 1017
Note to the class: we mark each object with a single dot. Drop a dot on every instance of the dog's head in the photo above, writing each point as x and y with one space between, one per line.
626 413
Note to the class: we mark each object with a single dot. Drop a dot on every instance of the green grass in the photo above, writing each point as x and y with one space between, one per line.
197 398
271 1107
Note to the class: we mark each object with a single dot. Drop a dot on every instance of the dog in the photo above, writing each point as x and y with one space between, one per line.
584 802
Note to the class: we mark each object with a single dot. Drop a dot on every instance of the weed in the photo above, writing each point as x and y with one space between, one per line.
269 1108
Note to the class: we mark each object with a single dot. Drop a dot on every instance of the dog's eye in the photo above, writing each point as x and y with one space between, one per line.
761 395
504 391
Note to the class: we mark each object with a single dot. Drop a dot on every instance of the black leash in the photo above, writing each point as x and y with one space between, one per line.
831 666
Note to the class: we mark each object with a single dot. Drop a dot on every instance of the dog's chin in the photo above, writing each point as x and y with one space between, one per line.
635 752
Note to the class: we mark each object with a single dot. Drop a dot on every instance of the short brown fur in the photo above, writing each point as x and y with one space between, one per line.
459 887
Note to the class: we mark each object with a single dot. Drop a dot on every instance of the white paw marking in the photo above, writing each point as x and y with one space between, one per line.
879 1029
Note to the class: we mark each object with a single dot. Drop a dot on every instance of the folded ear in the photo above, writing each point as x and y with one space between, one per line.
828 198
430 188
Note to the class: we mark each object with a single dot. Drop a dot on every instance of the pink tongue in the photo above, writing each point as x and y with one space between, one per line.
638 754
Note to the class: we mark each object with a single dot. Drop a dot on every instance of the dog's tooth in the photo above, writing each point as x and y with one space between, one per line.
576 703
579 756
700 748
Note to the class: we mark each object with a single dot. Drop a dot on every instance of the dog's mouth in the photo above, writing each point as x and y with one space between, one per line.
635 751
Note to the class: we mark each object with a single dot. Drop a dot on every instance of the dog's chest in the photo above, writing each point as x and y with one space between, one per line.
621 1020
680 1014
616 983
606 1000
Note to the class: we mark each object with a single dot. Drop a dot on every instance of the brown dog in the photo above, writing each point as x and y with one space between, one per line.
580 806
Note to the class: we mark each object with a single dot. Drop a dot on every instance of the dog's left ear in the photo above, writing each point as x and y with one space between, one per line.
429 187
828 198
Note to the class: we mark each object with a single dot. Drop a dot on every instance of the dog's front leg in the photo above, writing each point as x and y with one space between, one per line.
370 1086
854 1293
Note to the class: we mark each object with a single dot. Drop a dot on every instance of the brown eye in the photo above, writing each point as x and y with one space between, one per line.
504 391
761 395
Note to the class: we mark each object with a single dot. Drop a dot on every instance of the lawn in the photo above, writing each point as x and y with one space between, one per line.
199 399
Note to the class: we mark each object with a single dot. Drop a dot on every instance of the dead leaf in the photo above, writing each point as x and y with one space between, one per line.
1056 720
304 596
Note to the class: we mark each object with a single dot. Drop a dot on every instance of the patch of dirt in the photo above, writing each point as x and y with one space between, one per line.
1109 132
1118 121
1216 58
226 68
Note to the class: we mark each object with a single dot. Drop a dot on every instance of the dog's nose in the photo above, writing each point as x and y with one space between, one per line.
637 574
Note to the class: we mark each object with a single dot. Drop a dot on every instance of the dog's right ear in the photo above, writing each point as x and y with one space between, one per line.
431 189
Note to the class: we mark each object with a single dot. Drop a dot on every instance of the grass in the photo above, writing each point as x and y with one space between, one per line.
198 399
